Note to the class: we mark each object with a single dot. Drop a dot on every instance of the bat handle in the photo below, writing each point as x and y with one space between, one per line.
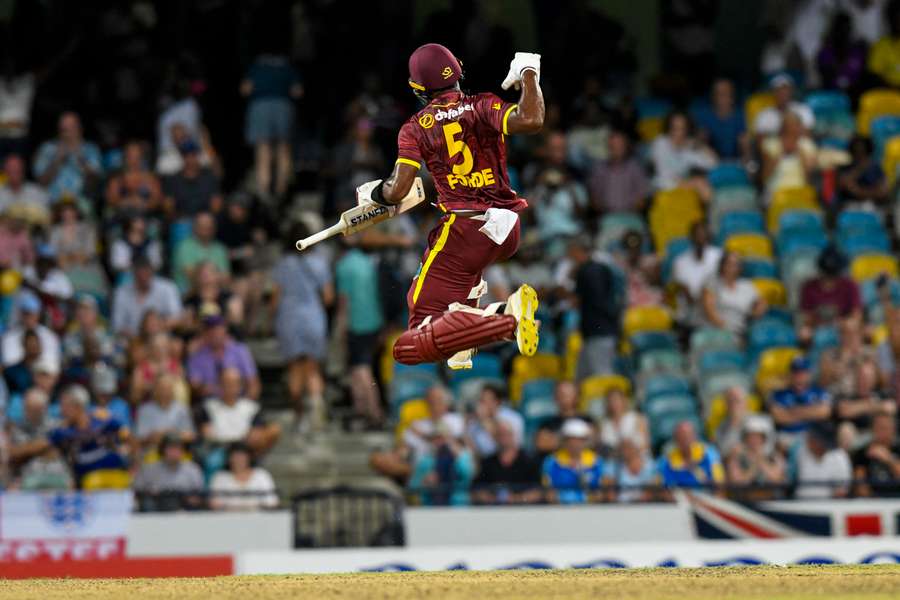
319 237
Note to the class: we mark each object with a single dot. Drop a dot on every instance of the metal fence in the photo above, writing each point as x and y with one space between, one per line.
347 517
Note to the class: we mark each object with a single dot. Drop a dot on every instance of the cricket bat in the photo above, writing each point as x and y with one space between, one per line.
365 215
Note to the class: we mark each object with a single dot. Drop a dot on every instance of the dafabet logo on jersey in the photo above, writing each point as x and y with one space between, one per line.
447 73
426 121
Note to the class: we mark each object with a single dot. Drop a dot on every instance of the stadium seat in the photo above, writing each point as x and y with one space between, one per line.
673 402
795 241
823 102
535 413
717 383
639 319
409 386
869 266
106 479
715 360
751 245
386 362
574 344
598 386
485 365
789 199
672 214
755 104
528 368
753 268
661 361
773 367
718 410
772 290
614 226
411 411
874 242
800 219
883 129
864 220
538 388
711 337
737 222
649 128
673 249
728 174
874 104
769 333
661 385
651 340
734 197
890 161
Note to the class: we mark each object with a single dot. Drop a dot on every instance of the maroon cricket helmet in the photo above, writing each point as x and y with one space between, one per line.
433 67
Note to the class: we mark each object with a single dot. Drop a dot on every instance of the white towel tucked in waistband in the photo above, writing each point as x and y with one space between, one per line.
498 223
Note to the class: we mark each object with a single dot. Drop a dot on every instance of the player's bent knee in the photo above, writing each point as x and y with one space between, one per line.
442 338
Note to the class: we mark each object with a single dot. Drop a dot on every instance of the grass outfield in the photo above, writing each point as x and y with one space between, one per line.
820 582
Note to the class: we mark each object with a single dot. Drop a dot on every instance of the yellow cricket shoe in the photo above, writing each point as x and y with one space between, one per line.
523 304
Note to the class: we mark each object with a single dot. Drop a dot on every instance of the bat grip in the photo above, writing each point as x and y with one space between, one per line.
319 236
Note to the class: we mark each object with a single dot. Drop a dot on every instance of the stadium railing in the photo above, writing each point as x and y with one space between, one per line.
347 517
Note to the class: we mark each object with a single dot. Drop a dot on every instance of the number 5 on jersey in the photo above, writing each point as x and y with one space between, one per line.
461 172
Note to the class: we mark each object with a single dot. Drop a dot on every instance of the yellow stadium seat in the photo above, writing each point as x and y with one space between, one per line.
646 318
574 343
868 266
880 335
386 360
874 104
774 365
891 160
528 368
650 127
106 479
790 198
772 290
718 410
755 104
599 386
677 200
412 410
750 245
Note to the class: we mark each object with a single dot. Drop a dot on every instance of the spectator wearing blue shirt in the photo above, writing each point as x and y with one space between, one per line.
68 164
722 123
574 471
107 402
799 405
690 462
634 473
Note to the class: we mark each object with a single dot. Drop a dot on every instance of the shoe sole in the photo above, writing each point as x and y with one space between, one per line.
524 308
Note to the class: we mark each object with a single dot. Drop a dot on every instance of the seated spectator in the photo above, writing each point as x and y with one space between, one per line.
50 283
693 269
134 242
49 470
107 401
172 482
753 462
863 180
510 475
799 405
135 190
24 198
721 125
769 120
866 399
680 159
217 351
635 473
194 189
158 359
74 240
489 413
16 247
823 471
690 462
210 296
199 248
729 300
600 306
162 415
574 473
440 416
68 163
147 291
788 158
13 348
560 200
884 60
618 184
236 418
242 486
235 228
641 271
622 422
731 429
831 297
86 324
837 365
443 470
547 439
20 376
877 464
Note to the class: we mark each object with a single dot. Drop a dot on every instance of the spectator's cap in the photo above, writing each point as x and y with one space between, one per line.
757 424
189 147
78 394
103 379
29 303
831 260
46 366
800 363
433 67
781 80
575 428
213 320
632 239
46 251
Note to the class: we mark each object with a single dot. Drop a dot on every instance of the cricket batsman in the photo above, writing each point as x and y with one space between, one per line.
461 139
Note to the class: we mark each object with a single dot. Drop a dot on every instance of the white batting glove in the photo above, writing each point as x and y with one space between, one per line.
521 62
364 192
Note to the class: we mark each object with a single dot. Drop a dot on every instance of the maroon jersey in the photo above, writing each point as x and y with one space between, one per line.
461 139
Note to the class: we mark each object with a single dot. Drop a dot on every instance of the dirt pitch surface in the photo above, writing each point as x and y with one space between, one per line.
819 582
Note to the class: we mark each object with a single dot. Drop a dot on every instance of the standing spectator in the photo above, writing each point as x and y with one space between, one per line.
618 184
729 300
243 486
788 158
216 352
271 85
13 348
634 472
693 269
134 242
163 415
831 297
68 163
574 473
753 461
443 471
722 125
823 471
236 418
20 195
172 482
303 289
877 464
769 120
489 414
356 279
136 190
801 404
147 291
194 189
884 55
201 247
510 475
621 422
679 159
690 462
600 307
842 58
565 395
